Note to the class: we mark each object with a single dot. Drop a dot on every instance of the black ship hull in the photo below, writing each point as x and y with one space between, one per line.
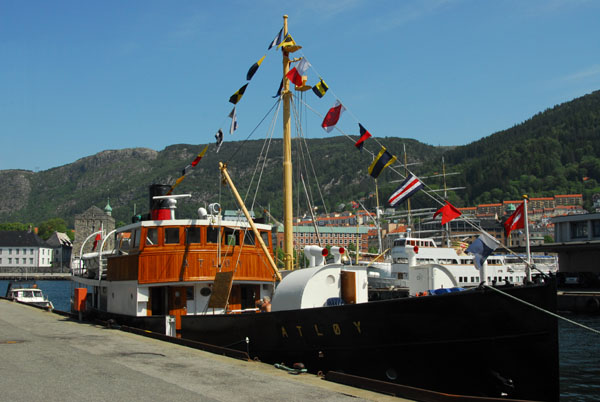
476 342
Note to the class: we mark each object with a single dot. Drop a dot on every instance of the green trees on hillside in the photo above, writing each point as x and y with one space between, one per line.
554 152
45 229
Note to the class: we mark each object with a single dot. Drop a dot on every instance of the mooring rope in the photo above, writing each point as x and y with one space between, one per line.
543 310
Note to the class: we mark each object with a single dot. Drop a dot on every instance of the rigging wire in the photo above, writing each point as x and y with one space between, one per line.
252 132
427 190
541 309
263 155
314 173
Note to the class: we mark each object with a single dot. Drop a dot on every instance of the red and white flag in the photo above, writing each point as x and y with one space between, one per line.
515 221
296 73
409 186
333 116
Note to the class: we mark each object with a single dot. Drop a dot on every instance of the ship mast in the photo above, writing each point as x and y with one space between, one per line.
288 242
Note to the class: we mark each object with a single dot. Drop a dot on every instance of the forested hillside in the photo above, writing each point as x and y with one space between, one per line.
555 152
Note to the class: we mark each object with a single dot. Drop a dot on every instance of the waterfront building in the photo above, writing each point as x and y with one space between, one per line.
577 240
90 221
62 247
330 236
23 251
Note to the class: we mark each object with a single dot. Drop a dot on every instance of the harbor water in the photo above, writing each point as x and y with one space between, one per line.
579 348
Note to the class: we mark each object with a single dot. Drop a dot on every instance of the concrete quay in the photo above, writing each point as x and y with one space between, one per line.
42 276
46 356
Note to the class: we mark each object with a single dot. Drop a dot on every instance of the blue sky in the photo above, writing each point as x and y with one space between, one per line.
79 77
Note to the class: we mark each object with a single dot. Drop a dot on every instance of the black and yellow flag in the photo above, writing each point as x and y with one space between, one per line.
289 45
381 161
235 98
320 88
254 67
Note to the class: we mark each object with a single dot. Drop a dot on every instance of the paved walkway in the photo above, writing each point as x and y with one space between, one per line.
49 357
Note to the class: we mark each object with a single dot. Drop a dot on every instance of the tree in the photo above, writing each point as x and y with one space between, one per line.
15 226
47 228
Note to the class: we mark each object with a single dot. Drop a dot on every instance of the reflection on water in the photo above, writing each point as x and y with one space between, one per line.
579 359
579 348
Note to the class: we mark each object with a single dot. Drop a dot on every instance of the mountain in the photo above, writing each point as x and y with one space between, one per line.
122 177
554 152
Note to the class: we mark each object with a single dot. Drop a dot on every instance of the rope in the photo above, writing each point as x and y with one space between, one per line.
543 310
252 132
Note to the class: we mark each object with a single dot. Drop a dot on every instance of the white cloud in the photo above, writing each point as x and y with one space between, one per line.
583 74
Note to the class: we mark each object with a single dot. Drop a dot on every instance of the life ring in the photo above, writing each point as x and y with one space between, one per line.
592 305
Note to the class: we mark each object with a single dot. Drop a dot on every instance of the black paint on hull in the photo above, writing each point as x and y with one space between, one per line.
476 342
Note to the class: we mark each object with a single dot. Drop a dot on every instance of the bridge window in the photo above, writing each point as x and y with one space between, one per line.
171 235
212 234
265 236
192 235
249 238
152 237
231 237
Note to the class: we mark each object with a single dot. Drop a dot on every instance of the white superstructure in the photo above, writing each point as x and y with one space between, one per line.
423 251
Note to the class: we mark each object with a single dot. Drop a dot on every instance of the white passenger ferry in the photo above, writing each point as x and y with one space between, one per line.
501 269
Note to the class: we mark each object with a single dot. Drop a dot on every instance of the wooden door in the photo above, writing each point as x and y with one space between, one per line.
348 282
177 304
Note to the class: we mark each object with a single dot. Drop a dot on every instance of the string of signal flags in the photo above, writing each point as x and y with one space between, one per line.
298 76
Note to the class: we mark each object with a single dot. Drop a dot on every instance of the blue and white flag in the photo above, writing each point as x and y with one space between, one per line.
482 248
411 185
234 124
278 39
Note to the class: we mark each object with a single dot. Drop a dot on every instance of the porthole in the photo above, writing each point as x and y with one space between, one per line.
391 374
205 292
330 280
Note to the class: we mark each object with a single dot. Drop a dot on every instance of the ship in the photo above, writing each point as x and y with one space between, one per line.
213 279
407 250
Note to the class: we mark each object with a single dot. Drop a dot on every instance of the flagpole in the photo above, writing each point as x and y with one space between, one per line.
446 198
407 201
357 237
377 216
288 242
526 224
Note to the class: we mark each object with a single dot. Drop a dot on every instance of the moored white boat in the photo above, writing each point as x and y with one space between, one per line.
28 294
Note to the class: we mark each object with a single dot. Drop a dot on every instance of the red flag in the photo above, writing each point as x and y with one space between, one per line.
449 212
515 221
332 117
96 240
